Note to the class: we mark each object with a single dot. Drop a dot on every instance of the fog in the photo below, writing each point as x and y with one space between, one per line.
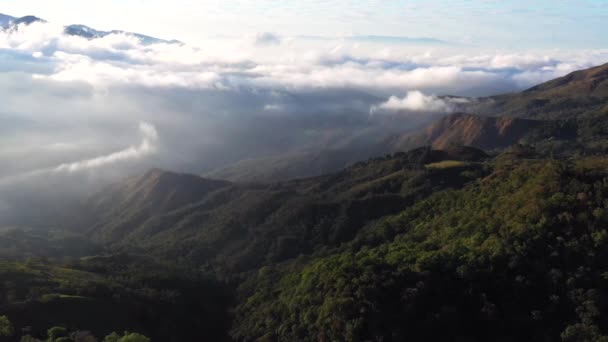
76 114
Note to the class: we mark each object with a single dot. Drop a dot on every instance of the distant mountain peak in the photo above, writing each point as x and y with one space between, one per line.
28 19
8 22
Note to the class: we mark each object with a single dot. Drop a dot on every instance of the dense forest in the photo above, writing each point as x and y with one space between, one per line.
425 245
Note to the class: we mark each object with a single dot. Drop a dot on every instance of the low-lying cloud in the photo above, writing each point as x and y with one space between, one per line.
147 147
416 101
269 61
69 103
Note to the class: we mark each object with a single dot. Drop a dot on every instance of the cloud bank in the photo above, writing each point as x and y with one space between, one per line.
269 61
68 104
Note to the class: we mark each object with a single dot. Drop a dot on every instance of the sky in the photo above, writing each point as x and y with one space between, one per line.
487 23
256 79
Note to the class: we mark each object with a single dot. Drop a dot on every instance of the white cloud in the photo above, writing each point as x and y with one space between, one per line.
147 147
416 101
261 61
203 96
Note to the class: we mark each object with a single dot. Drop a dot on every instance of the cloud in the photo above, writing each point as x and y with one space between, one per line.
263 61
147 147
267 38
416 101
273 107
69 103
231 98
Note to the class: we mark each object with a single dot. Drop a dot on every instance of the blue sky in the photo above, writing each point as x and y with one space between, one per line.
489 23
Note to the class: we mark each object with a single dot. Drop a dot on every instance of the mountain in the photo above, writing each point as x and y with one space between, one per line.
307 163
242 226
566 115
123 206
91 33
7 21
27 20
458 244
489 133
580 93
440 243
516 254
472 130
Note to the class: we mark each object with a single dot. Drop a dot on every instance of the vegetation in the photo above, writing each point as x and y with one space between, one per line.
417 245
517 255
427 245
61 334
113 293
6 327
446 164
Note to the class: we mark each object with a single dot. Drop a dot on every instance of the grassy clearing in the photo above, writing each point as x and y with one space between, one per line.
446 164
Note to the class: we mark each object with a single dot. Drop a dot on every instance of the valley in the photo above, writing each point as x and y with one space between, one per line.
306 209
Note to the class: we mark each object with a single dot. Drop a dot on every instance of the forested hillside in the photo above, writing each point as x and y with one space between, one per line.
443 242
425 245
515 255
238 228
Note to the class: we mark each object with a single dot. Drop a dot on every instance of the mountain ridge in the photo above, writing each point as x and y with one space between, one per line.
564 115
577 94
232 223
154 193
10 22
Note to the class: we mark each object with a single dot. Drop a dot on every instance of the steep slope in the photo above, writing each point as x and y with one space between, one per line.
124 205
491 133
240 227
517 255
565 115
472 130
568 110
578 93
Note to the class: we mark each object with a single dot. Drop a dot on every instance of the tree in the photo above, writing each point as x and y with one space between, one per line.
6 328
28 338
83 336
134 337
127 337
64 339
113 337
55 333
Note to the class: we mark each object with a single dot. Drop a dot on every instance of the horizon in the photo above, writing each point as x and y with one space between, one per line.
511 25
280 89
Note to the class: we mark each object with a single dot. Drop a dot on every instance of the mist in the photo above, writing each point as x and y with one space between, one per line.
78 114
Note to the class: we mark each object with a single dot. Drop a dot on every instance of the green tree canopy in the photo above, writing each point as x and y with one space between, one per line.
127 337
55 333
6 328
